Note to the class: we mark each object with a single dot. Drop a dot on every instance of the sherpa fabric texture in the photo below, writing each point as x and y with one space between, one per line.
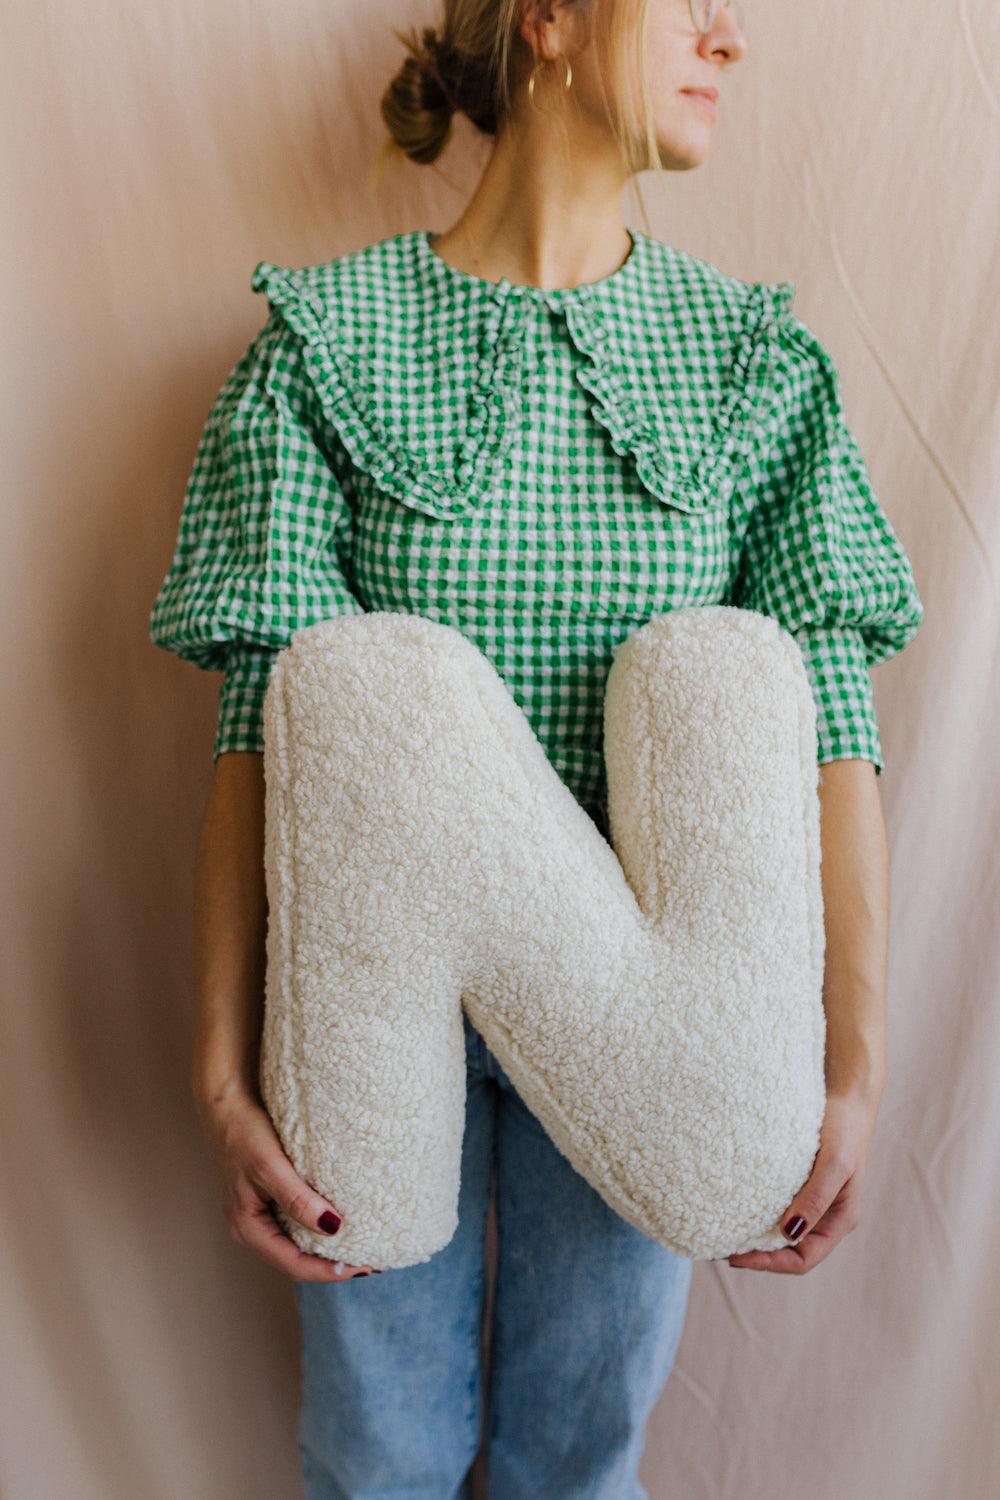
657 1004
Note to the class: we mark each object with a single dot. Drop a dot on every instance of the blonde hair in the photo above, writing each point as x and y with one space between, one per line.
474 60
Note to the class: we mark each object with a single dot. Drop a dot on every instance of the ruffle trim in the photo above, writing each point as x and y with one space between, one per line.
650 436
749 380
659 446
338 383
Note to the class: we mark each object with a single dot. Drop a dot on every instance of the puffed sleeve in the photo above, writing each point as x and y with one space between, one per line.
819 554
264 539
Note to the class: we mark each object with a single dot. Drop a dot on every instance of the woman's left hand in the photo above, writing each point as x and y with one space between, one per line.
830 1199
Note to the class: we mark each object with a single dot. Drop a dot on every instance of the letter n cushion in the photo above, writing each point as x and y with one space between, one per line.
657 1005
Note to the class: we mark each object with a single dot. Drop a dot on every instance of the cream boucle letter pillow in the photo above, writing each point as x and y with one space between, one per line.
657 1005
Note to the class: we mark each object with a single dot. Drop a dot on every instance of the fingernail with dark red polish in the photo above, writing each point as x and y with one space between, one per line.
794 1227
330 1222
364 1273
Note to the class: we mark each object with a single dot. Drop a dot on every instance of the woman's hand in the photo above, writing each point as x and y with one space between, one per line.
830 1200
256 1172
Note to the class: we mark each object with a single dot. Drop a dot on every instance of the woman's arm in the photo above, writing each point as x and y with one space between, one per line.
231 932
855 879
230 929
854 873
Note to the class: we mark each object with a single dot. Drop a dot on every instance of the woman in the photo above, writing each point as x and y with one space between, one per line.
543 428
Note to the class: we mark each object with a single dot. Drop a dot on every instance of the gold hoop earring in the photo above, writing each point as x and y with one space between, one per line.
534 73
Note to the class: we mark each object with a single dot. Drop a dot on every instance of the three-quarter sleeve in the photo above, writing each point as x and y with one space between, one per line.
819 554
264 540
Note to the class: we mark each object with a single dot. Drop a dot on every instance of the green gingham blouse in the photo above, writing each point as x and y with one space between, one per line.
545 470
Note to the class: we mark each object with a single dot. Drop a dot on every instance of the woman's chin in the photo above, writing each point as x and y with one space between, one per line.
681 155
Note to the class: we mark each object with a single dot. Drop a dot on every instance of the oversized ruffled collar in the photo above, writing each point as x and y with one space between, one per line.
673 350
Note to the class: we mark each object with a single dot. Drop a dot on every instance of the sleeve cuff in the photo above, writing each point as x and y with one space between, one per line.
241 699
836 664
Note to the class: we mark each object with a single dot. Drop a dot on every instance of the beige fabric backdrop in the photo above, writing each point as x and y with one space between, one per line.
151 155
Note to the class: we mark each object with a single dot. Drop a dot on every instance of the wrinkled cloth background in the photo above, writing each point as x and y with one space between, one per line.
151 155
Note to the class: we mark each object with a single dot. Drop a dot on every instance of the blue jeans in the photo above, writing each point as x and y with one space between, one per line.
582 1341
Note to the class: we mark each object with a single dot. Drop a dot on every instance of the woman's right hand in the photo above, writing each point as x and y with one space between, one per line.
257 1172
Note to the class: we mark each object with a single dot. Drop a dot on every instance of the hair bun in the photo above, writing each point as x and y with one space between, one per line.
437 80
435 60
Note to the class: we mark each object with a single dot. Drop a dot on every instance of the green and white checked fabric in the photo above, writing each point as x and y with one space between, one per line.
545 471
